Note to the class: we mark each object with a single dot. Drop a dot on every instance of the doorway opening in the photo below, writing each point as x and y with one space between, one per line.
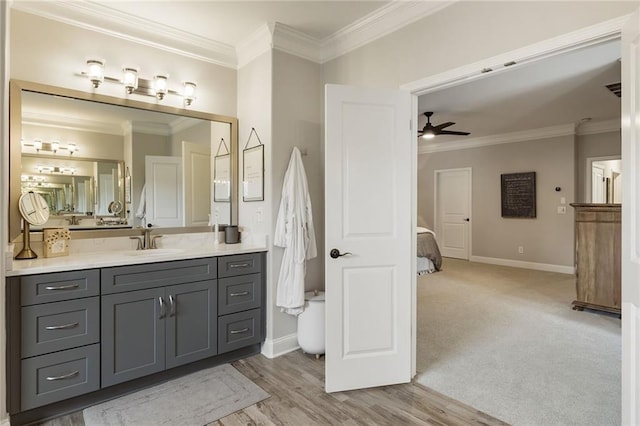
455 83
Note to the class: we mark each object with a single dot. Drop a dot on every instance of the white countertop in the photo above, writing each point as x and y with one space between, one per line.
107 258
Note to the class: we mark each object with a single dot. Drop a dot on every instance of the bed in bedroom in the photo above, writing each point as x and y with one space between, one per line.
429 258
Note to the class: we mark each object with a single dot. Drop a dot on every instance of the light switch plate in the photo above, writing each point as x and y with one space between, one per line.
563 200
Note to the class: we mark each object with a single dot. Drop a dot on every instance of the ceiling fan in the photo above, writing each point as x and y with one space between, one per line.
430 131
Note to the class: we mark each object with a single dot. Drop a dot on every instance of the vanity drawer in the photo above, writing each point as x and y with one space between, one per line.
149 275
241 293
239 330
62 325
60 375
239 264
45 288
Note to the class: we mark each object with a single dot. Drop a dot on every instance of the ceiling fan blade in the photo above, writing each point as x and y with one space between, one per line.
443 125
450 132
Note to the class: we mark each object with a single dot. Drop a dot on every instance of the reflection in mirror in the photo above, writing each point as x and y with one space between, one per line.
74 152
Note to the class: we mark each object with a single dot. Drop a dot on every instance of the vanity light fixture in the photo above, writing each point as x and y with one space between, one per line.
157 87
160 86
96 72
189 92
54 146
130 79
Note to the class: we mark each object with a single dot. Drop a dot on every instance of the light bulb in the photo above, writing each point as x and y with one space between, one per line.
130 79
96 72
160 86
189 92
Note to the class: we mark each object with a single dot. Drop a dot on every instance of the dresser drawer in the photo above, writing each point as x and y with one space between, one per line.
60 375
239 330
62 325
45 288
240 293
239 264
149 275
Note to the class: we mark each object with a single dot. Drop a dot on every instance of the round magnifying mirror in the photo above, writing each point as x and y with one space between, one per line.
35 211
115 207
34 208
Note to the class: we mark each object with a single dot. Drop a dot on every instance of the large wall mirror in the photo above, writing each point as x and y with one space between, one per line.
106 164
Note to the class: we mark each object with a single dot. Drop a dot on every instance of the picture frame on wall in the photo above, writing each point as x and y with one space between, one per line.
253 174
222 178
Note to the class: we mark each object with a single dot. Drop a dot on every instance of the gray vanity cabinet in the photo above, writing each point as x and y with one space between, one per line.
150 330
75 338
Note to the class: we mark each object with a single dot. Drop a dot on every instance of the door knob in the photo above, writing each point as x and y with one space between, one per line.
466 219
335 253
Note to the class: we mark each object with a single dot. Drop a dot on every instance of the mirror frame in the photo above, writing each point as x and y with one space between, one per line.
15 151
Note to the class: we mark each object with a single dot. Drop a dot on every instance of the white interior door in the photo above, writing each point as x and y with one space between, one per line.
453 212
597 184
631 221
196 163
163 190
368 215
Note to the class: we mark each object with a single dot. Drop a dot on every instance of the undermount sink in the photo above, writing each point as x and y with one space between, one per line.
153 252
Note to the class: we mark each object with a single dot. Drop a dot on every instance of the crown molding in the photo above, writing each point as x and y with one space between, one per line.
377 24
593 128
103 19
297 43
70 123
257 43
504 138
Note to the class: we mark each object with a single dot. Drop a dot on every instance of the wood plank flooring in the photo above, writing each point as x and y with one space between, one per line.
295 382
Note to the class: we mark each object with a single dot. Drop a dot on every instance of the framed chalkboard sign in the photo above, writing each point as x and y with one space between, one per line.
518 194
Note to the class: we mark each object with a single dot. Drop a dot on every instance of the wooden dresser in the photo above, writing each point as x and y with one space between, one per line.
598 244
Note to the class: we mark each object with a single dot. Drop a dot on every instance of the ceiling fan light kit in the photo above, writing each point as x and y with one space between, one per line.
429 131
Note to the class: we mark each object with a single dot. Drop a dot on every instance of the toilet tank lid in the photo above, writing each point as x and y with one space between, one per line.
311 296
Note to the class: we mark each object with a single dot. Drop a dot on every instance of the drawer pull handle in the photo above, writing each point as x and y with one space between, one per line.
61 287
242 293
62 327
64 376
239 265
244 330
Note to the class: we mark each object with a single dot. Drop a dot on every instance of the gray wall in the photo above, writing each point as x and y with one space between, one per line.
297 113
547 239
590 146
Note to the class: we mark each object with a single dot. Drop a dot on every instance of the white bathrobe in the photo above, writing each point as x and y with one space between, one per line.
294 232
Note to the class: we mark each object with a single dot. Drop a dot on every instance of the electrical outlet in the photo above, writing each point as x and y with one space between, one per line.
520 249
259 215
562 209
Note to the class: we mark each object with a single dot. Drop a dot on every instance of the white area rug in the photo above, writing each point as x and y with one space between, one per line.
194 400
506 341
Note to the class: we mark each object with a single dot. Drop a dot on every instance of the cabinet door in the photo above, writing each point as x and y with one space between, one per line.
191 322
133 335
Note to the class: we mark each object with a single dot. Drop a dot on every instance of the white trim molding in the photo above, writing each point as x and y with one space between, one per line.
562 269
513 137
261 41
273 348
593 128
607 30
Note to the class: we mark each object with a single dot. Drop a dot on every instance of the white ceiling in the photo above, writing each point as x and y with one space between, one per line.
558 90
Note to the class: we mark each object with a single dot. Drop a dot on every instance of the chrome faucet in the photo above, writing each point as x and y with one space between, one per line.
73 220
146 241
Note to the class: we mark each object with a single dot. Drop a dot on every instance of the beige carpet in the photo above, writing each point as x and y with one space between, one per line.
193 400
506 341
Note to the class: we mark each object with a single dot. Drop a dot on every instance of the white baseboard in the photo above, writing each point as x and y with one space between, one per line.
526 265
5 422
273 348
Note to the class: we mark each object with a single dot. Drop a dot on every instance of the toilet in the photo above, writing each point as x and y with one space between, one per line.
311 324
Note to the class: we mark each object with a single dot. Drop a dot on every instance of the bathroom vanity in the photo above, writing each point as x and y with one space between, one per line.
94 326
